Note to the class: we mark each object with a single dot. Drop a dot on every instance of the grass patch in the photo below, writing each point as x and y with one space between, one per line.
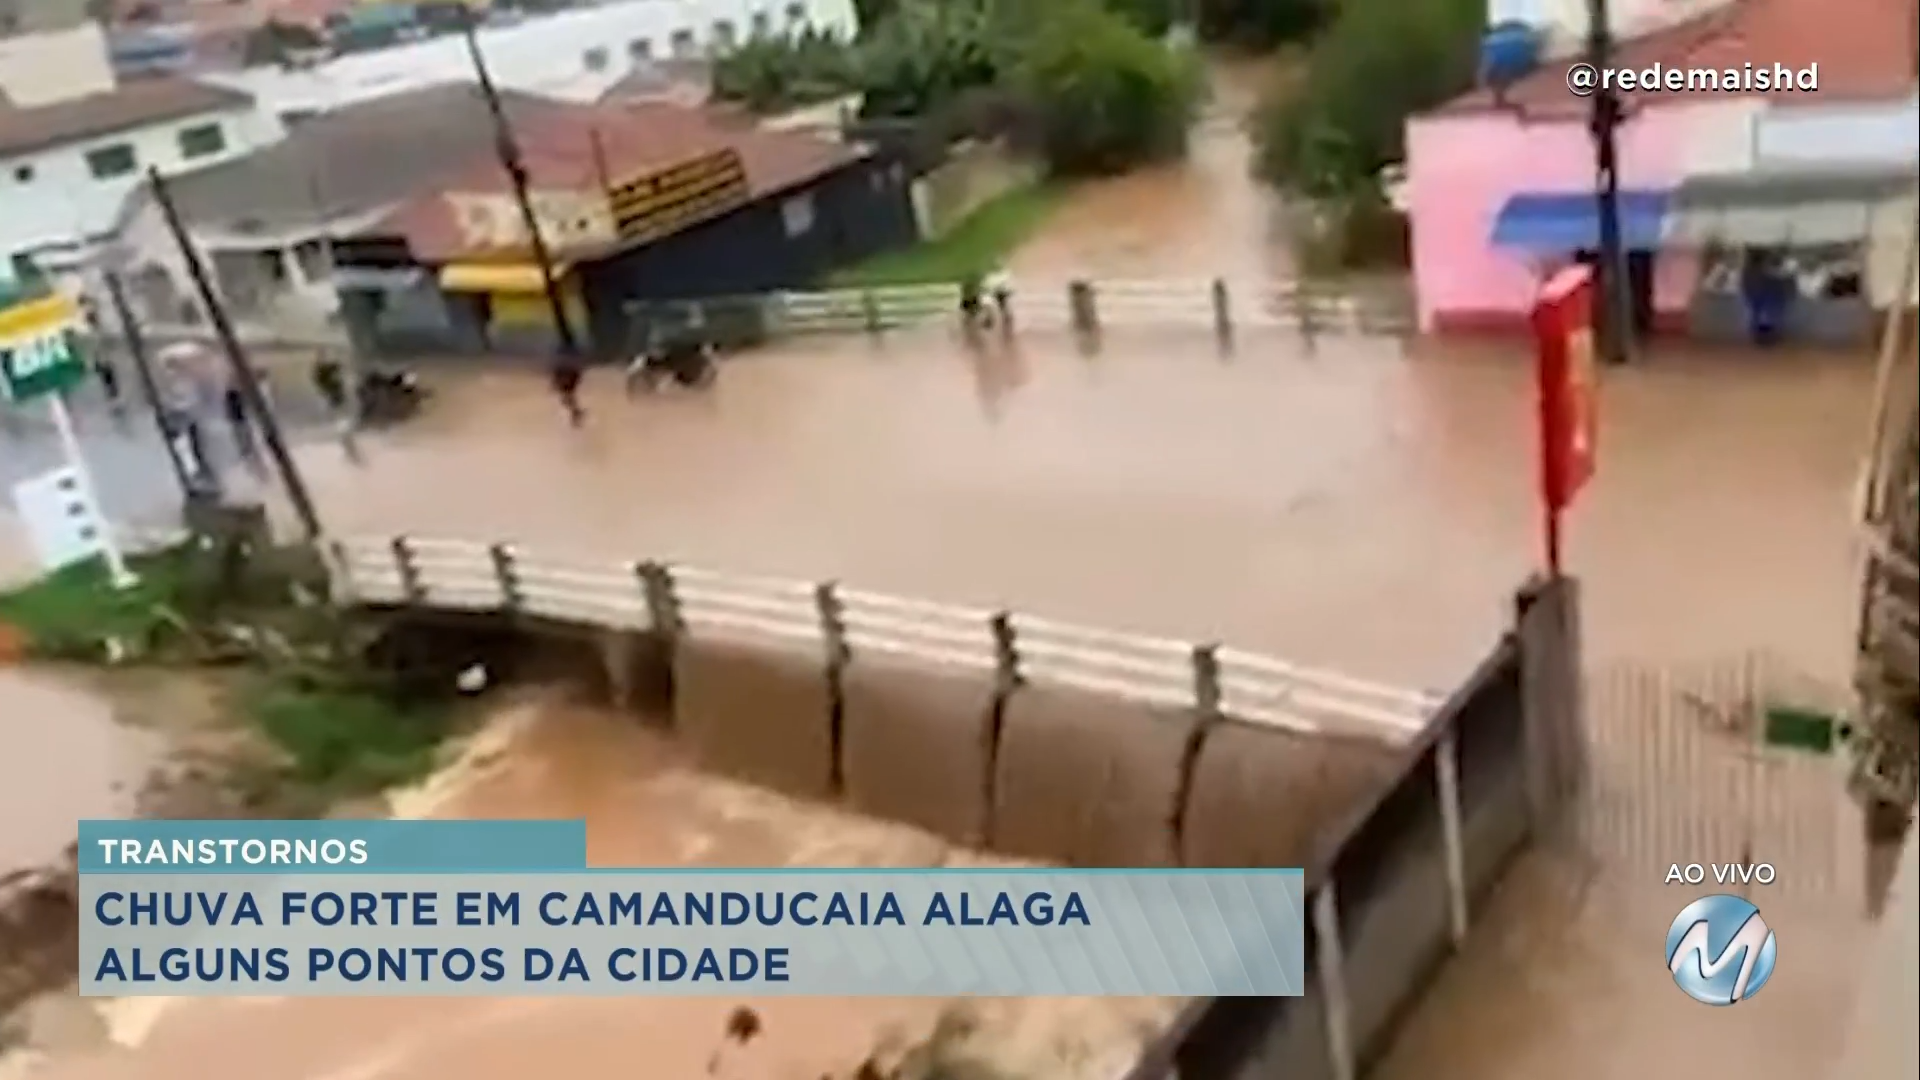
345 742
66 614
978 243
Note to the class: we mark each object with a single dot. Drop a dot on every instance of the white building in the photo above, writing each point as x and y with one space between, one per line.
73 144
572 55
263 224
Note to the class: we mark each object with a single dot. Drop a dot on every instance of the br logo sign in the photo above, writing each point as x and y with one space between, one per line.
1720 951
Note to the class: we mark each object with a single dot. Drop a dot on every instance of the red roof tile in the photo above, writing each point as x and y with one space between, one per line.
570 147
1865 49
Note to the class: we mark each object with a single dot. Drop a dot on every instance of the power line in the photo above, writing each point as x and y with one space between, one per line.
508 150
1615 318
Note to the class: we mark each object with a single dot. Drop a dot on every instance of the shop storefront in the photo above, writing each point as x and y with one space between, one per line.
1825 246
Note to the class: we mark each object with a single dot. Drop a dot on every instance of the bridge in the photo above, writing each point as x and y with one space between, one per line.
1044 739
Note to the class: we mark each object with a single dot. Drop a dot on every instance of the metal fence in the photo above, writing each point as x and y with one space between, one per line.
1737 760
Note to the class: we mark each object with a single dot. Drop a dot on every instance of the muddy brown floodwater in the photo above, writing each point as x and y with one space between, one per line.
1357 507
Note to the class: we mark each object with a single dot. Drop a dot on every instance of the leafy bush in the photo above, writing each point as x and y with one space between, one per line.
1108 96
344 739
1380 62
72 612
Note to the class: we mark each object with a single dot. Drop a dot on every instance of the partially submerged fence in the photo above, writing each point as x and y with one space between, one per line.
1067 743
1082 307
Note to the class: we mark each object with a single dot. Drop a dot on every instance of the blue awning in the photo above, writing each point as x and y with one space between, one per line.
1570 221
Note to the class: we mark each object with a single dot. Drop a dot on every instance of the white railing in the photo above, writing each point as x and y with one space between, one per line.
845 623
1219 305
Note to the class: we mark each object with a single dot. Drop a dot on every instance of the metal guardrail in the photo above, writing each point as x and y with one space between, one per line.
844 622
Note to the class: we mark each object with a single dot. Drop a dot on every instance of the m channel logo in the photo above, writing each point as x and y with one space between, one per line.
1720 950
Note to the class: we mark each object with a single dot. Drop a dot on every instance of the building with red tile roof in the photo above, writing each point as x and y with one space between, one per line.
638 202
1499 184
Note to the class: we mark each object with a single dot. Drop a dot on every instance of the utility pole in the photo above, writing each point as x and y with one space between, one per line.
508 150
149 385
238 366
1616 302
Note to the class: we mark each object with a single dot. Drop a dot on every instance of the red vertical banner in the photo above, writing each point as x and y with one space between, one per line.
1564 368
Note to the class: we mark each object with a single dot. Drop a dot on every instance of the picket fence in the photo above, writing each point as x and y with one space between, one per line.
462 575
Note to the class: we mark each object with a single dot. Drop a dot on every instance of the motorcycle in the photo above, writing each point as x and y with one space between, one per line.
689 362
381 396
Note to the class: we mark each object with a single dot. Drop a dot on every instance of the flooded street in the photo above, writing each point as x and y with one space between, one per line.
1357 506
644 806
62 758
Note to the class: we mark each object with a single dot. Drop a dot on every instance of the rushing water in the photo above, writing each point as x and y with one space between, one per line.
1356 506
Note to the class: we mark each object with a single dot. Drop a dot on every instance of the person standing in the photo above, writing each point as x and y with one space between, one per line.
999 285
566 386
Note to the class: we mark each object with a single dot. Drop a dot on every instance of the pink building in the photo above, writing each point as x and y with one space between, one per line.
1499 188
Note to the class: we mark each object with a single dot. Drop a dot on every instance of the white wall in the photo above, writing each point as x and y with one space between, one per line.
1813 135
40 69
62 205
572 54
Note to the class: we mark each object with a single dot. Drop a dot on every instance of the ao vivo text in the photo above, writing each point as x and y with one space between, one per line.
1693 873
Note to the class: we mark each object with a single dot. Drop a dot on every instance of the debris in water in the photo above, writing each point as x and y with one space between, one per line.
742 1025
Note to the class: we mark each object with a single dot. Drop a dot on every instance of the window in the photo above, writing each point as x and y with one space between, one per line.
107 162
640 49
594 59
724 35
684 45
201 140
23 174
797 215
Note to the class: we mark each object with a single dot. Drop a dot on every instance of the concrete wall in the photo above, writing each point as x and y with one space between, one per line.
973 175
1393 891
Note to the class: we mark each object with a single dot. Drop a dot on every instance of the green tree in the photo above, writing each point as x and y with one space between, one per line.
1380 62
1108 96
924 55
771 73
